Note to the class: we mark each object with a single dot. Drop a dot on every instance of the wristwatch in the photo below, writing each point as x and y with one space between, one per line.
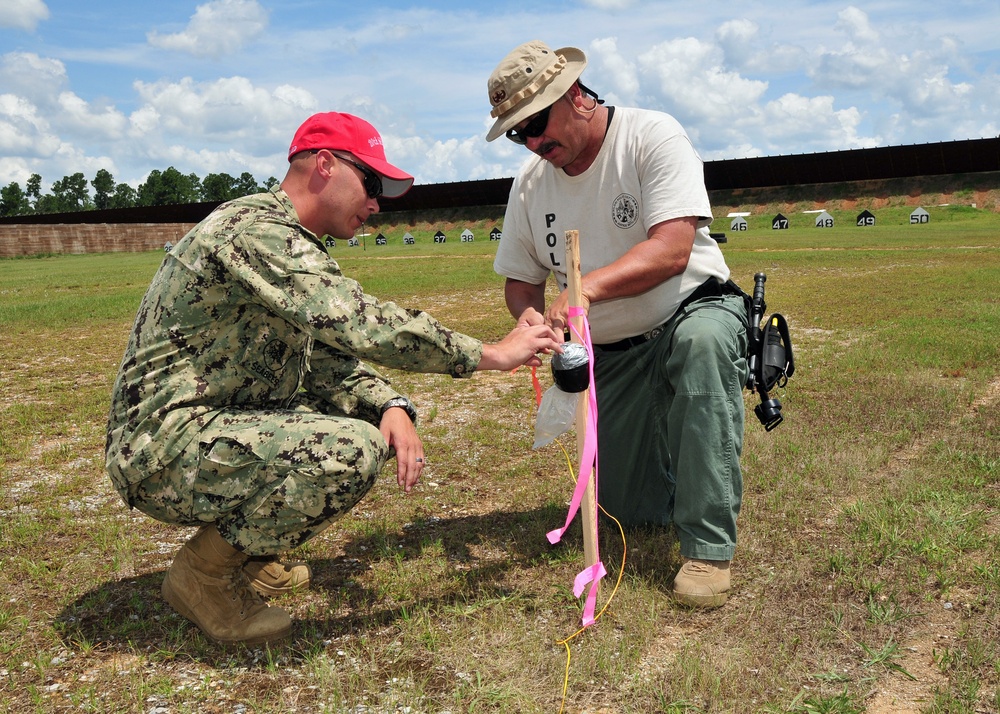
403 403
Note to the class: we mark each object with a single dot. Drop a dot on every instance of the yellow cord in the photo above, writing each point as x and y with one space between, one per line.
621 572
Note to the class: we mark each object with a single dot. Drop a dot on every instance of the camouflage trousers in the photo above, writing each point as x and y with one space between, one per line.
269 480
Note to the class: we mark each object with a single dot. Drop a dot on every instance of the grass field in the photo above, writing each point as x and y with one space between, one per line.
867 576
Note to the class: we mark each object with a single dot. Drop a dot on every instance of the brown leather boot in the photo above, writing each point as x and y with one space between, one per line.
270 577
702 583
206 584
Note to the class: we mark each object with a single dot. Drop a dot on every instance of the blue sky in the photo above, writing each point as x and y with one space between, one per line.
220 85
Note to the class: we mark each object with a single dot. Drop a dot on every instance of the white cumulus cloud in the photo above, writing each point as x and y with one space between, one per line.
23 14
811 123
610 4
229 108
692 78
217 28
736 38
24 130
857 26
617 76
31 76
88 121
205 124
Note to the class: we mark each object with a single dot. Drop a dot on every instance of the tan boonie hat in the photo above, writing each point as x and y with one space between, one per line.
530 78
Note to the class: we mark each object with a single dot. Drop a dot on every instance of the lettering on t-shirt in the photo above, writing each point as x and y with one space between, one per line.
551 240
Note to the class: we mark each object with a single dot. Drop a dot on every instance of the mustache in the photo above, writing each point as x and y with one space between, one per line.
546 147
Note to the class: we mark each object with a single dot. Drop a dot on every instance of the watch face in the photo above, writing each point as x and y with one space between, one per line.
404 404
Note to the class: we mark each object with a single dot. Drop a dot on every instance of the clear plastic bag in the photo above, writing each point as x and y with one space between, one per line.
556 415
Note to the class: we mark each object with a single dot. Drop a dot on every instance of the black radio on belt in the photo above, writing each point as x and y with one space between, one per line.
770 357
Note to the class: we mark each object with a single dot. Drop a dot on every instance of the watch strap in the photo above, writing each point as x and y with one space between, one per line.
403 403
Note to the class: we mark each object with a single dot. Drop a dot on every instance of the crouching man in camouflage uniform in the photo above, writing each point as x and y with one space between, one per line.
243 404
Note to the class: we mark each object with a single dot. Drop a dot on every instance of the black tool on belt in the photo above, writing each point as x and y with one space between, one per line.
769 358
769 346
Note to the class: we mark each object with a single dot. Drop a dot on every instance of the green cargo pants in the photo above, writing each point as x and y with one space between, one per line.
670 427
269 480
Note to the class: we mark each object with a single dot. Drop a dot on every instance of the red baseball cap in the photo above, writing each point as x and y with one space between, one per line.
345 132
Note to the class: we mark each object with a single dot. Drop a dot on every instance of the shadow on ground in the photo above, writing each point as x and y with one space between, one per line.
129 615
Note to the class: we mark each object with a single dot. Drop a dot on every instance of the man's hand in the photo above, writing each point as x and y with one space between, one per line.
520 347
530 317
401 435
557 316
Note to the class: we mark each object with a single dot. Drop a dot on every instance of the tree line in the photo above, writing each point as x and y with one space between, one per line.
161 188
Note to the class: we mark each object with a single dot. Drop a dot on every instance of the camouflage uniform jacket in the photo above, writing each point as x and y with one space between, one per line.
248 311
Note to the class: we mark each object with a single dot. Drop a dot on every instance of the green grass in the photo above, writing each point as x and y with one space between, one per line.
51 292
867 575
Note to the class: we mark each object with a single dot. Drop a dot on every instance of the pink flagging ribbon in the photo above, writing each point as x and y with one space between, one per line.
588 462
593 574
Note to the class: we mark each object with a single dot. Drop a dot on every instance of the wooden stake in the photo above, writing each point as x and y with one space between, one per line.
588 509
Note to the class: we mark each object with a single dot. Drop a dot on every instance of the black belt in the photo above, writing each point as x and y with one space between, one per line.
709 288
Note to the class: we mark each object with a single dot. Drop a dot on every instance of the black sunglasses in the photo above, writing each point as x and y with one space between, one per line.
535 127
537 124
372 181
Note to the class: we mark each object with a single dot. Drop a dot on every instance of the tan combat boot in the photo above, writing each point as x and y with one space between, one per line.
270 577
702 583
207 585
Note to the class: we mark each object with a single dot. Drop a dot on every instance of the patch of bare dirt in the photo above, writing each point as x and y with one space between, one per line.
897 693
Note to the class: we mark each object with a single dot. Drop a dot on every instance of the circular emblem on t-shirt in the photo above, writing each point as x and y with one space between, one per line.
625 210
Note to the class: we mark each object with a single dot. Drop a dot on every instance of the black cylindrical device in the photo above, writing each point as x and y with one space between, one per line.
571 368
